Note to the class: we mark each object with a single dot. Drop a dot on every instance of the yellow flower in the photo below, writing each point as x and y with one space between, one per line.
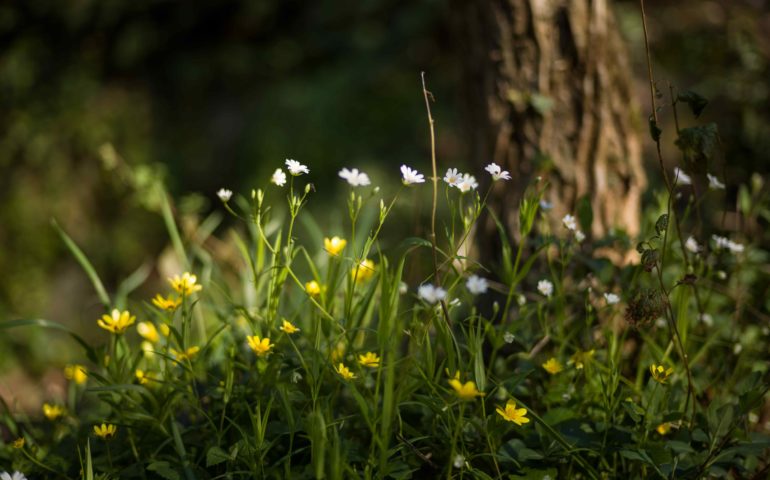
52 412
664 428
187 284
144 377
117 321
76 373
465 391
105 431
288 327
553 366
579 358
18 443
186 355
170 304
313 288
164 329
660 373
344 372
369 359
339 351
363 271
334 245
148 331
513 414
260 346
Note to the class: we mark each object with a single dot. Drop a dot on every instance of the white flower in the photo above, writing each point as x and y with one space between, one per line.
411 176
569 222
15 476
497 172
714 182
579 236
431 294
452 177
403 288
509 337
707 319
521 300
545 287
278 178
354 177
692 245
224 194
737 348
467 183
681 177
296 168
459 461
477 285
611 298
545 205
727 244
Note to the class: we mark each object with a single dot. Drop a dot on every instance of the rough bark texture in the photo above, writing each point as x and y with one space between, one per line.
551 95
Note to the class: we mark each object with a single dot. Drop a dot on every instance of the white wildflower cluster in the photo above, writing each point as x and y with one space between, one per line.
224 194
611 298
354 177
570 223
295 168
410 177
497 172
692 245
464 182
724 243
681 178
431 294
278 178
477 285
714 183
12 476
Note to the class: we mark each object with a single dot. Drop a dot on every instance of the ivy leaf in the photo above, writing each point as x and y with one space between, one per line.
695 101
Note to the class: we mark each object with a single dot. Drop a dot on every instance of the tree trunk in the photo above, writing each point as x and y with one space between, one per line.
550 94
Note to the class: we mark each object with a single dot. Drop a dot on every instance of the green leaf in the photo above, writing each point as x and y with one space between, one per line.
662 224
84 263
585 212
695 101
215 456
698 145
38 322
164 470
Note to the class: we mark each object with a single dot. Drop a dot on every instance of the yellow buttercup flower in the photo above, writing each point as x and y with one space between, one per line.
186 355
165 330
77 373
663 428
339 351
660 373
187 284
52 412
313 288
144 377
288 327
579 358
363 271
344 372
148 331
19 443
169 303
105 431
465 391
553 366
513 414
260 346
117 322
334 245
369 359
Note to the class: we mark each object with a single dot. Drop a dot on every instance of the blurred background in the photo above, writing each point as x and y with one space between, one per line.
103 101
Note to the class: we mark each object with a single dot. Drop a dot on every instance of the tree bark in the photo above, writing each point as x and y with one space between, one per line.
550 94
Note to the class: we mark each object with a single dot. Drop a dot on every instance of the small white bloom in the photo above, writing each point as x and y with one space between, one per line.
354 177
569 222
296 168
509 337
660 322
477 285
692 245
403 288
467 183
579 235
681 177
431 294
452 177
459 461
497 172
410 176
545 287
714 182
545 205
15 476
725 243
224 194
278 178
455 303
737 348
721 274
707 319
753 417
521 300
611 298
